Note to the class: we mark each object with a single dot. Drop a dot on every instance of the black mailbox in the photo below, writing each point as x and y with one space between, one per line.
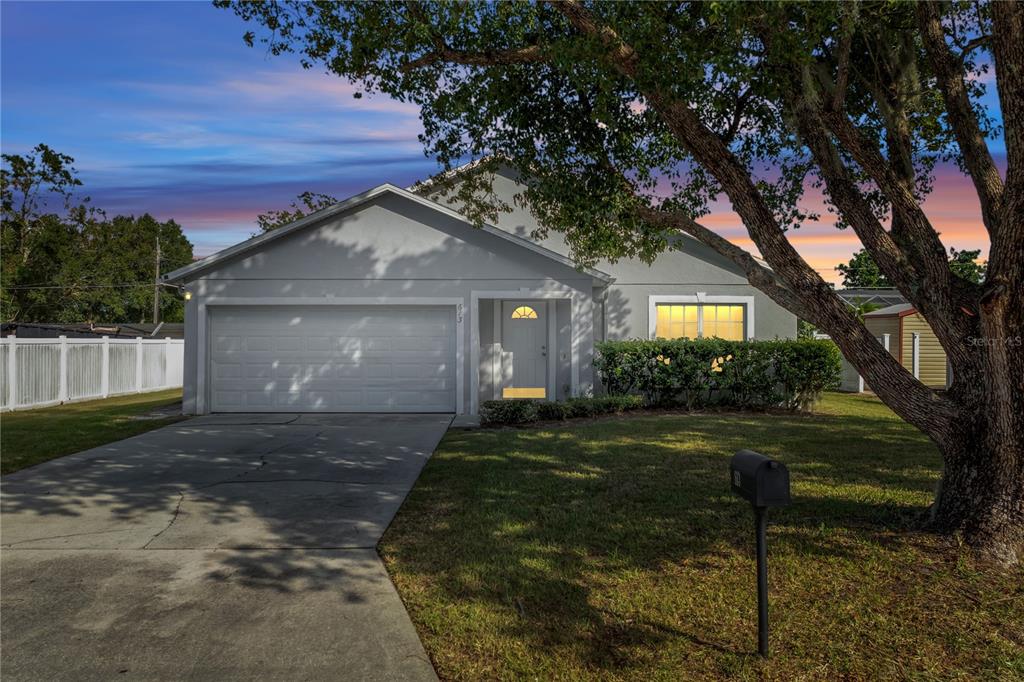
760 480
764 483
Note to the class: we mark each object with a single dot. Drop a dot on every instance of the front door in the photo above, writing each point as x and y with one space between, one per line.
524 334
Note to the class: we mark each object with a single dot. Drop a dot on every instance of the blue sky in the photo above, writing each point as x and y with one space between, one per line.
167 111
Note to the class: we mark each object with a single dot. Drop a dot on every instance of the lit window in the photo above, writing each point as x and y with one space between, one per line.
691 321
524 312
724 321
677 322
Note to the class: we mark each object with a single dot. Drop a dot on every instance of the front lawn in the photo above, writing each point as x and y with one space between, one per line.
613 549
29 437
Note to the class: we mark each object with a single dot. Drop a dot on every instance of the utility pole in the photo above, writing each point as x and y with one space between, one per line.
156 282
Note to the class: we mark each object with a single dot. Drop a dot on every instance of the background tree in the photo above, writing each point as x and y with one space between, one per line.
29 185
965 264
123 250
862 271
304 204
630 118
62 261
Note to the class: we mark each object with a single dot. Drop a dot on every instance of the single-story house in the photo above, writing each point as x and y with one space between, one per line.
907 336
392 301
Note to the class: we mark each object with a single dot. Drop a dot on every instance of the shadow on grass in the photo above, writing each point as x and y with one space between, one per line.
534 522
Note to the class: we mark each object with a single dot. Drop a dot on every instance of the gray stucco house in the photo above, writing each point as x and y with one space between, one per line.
392 302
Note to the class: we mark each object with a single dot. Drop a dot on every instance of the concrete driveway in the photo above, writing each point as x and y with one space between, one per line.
223 547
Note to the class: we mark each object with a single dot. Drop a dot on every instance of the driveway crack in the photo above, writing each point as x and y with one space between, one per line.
174 517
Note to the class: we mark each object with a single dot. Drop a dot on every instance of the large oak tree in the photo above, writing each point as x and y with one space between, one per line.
630 118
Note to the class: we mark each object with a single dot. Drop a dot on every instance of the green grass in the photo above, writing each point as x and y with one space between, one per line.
29 437
613 549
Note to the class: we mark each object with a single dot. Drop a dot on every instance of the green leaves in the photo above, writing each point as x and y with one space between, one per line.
698 373
65 262
519 81
304 204
862 271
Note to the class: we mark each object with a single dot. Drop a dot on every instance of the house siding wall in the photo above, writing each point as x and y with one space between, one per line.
932 365
689 268
389 249
886 325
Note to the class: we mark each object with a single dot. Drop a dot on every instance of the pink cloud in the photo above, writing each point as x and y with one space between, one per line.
952 208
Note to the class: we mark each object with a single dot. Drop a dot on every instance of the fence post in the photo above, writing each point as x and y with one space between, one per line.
12 371
138 364
105 371
916 354
167 362
62 390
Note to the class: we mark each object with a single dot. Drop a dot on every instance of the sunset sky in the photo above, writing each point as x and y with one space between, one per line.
166 111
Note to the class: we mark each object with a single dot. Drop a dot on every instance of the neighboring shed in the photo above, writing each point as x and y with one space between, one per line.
911 341
875 296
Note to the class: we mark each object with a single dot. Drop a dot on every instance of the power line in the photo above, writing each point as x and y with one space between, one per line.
87 286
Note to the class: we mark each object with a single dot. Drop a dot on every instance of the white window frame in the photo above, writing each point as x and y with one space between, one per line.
700 298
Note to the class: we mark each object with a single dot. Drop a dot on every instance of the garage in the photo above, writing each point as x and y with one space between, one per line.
332 359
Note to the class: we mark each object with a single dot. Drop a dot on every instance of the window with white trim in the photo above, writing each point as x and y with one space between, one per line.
700 320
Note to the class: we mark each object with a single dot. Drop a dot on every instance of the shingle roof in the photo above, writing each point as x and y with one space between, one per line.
881 296
902 308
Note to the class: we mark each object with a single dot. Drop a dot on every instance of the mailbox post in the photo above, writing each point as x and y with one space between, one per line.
764 483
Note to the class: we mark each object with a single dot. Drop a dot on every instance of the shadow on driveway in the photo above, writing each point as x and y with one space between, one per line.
223 547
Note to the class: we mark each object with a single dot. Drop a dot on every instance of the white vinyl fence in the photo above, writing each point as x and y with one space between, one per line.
39 372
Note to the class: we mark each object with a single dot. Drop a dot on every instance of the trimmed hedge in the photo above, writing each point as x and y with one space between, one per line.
497 412
704 372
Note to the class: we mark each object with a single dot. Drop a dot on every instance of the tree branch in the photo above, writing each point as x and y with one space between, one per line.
531 54
795 284
913 401
1006 266
973 44
677 221
927 282
759 276
845 47
442 52
950 74
737 115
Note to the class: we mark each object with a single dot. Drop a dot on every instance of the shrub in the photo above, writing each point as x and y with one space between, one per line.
549 411
508 412
498 412
702 372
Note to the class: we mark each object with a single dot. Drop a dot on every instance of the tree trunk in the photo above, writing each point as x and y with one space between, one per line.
981 495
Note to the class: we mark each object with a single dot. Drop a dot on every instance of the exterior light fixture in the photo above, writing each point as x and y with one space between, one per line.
188 295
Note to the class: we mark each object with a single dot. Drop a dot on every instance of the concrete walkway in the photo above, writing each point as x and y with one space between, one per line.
220 548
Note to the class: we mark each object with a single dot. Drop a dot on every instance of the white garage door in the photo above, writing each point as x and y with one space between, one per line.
332 359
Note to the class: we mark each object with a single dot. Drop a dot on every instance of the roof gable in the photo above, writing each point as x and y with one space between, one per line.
263 241
686 252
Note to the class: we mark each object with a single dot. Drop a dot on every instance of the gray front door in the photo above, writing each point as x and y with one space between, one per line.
524 334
